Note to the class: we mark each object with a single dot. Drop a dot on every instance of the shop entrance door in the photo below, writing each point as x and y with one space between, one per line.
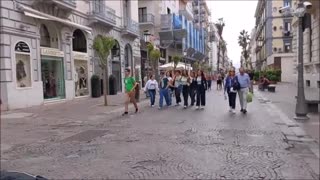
116 71
52 78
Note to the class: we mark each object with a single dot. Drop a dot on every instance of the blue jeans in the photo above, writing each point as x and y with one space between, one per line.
170 96
164 94
152 94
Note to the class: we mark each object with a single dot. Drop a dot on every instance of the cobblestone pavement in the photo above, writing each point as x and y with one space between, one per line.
168 144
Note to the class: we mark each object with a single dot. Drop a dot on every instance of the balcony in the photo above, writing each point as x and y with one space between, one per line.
172 28
101 13
187 12
63 4
131 28
146 19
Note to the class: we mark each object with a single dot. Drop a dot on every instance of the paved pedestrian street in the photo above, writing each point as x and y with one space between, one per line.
172 143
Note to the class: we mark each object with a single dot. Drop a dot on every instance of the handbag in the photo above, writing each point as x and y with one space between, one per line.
236 85
249 97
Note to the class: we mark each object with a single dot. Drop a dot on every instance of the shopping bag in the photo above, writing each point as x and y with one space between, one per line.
249 97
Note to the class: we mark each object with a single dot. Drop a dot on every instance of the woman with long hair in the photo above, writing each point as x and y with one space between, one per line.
231 89
169 76
151 87
185 82
178 87
193 87
201 89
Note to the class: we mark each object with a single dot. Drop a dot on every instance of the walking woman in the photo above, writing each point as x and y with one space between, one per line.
201 89
151 88
178 87
185 82
193 87
171 87
231 87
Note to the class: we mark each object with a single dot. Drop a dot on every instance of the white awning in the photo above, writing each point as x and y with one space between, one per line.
39 15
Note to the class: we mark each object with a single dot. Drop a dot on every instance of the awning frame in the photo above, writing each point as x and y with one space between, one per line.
40 15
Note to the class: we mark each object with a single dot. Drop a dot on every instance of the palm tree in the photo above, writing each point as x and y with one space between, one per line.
176 60
154 58
220 25
102 46
223 49
244 41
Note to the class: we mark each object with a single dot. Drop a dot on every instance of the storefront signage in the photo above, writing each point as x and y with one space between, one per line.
51 52
80 56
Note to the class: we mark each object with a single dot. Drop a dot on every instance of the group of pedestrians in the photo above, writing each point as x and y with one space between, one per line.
191 86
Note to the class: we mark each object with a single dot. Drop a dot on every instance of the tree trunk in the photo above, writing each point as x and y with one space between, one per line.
105 87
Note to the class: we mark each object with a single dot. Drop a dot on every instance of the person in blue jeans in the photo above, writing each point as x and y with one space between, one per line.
171 86
201 90
164 92
151 87
229 87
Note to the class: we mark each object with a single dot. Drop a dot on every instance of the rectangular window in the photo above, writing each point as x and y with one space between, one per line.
170 59
308 83
286 3
23 70
163 53
168 11
143 14
318 84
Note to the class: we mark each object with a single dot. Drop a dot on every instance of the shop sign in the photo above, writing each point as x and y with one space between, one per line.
51 52
80 56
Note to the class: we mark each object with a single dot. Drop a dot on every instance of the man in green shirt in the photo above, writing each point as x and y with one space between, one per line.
130 85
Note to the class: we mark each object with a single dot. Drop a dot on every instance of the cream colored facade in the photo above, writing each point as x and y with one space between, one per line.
311 47
46 47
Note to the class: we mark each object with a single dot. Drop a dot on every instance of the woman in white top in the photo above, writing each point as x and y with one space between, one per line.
178 87
185 82
151 87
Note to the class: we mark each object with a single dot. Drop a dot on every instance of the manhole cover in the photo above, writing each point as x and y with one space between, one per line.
86 135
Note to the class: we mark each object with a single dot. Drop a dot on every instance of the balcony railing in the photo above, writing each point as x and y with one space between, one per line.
100 12
146 18
64 4
131 27
70 2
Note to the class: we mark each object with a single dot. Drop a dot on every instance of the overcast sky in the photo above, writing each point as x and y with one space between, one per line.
238 15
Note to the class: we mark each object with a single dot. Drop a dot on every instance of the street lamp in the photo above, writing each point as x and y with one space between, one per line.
185 58
301 107
146 35
260 43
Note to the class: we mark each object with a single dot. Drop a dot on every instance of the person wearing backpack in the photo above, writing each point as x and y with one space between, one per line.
231 86
130 86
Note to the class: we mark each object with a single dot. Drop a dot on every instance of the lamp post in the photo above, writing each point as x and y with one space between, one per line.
146 35
260 43
301 108
185 59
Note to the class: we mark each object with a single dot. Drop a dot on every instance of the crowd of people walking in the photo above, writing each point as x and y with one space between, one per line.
192 86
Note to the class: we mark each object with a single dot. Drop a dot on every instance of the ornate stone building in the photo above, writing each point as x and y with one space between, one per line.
46 47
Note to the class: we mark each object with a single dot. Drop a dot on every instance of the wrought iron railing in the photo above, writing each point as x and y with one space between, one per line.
146 18
132 25
98 8
70 2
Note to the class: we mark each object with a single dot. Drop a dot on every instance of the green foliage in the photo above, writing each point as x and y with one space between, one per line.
271 74
150 47
176 60
102 46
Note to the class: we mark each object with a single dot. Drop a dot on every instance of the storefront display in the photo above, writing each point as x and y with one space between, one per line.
23 69
52 77
81 78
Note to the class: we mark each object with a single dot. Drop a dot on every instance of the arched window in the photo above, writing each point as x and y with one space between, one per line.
79 41
115 50
44 36
23 68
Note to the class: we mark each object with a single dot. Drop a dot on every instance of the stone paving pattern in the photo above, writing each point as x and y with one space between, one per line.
168 144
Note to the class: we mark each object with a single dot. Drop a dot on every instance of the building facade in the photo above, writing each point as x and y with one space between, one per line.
311 45
46 47
252 49
276 32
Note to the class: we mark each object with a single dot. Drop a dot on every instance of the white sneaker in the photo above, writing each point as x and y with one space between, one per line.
198 107
185 107
152 105
230 110
233 111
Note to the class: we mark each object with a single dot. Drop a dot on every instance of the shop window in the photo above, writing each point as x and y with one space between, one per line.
23 66
81 78
44 36
79 41
308 83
